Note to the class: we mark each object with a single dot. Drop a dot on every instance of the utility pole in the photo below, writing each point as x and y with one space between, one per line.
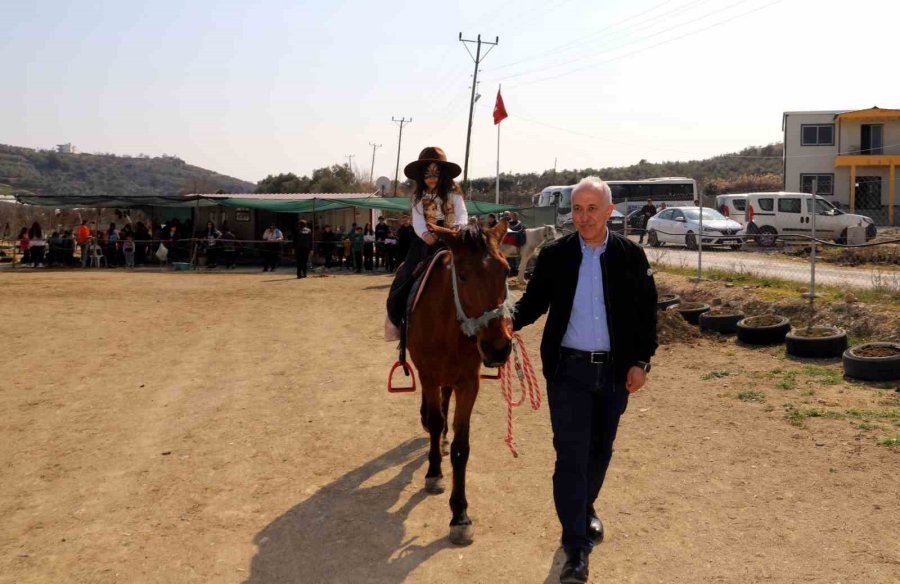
372 172
402 121
349 158
478 58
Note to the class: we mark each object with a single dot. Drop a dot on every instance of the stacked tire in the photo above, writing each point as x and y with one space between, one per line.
766 329
873 362
691 311
816 342
718 321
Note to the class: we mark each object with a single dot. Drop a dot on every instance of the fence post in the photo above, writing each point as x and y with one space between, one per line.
700 245
812 263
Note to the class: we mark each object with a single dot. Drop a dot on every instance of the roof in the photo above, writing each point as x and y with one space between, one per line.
287 196
873 113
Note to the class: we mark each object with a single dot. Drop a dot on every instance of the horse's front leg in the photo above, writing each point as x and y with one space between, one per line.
460 524
434 420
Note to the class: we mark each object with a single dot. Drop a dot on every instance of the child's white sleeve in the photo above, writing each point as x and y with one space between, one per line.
418 219
459 210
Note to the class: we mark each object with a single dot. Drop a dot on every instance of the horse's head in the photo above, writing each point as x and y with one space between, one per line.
479 272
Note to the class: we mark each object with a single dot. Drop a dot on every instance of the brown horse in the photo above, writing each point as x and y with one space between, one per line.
457 326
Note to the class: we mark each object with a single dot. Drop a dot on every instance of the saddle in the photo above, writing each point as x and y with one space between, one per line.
420 278
514 238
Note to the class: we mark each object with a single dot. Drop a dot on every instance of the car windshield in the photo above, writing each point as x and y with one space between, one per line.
823 207
693 214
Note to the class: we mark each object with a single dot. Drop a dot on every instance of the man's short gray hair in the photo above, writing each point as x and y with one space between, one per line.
596 183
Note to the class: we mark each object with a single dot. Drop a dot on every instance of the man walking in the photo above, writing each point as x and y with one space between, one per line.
647 211
83 238
302 245
596 349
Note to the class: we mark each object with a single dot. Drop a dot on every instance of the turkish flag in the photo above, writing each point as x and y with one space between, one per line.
499 110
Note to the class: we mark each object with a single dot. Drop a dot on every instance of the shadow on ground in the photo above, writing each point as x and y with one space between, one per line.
349 531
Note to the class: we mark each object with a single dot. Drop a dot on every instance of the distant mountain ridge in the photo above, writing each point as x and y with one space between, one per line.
46 172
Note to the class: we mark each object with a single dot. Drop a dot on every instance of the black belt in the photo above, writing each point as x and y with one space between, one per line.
596 357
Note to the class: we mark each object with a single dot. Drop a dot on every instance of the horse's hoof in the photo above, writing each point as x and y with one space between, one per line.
461 534
445 447
434 485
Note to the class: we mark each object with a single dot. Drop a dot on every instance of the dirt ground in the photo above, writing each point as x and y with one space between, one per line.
179 427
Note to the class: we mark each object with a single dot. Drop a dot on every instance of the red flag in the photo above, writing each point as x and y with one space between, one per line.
499 110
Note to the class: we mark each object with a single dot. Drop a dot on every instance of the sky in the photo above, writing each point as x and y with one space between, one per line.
250 89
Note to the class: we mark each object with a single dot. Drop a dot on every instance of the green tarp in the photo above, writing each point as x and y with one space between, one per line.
399 204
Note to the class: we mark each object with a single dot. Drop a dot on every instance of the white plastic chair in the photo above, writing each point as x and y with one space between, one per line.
97 257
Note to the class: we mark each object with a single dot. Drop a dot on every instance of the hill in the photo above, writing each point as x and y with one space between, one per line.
47 172
756 167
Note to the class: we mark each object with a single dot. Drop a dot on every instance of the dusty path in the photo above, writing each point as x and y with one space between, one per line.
161 427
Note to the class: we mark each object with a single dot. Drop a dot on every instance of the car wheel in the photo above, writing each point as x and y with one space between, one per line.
767 329
842 238
873 362
828 342
871 231
767 236
690 240
653 238
720 323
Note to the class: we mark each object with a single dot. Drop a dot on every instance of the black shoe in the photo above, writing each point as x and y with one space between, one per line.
575 570
594 528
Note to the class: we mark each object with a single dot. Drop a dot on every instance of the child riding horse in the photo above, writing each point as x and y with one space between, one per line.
436 200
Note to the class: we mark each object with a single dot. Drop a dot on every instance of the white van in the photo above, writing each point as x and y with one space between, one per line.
732 206
769 215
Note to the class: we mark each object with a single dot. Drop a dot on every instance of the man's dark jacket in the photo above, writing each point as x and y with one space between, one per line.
629 291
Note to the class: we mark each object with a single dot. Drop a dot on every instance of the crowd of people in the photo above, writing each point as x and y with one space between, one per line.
133 244
364 248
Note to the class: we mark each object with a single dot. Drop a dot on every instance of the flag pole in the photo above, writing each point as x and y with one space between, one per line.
497 194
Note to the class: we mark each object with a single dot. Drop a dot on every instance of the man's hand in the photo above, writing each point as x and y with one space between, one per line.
635 380
429 238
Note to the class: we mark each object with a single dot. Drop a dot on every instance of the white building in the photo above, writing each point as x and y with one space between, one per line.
849 157
65 148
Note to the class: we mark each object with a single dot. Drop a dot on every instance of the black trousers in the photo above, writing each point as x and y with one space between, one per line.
301 255
357 261
271 253
585 406
403 280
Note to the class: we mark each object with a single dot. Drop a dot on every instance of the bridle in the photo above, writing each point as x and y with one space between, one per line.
469 325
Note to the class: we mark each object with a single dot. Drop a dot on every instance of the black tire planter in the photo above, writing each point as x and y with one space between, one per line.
720 323
770 334
667 300
872 368
822 347
691 311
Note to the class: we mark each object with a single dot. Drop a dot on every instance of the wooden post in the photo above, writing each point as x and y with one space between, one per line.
892 189
853 189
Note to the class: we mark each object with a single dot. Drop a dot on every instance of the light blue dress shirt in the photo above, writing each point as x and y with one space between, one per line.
588 329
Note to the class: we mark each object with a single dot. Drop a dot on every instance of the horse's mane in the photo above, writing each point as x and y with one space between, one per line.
473 238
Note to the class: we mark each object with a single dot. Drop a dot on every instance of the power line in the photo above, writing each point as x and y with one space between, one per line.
642 49
402 122
650 36
477 58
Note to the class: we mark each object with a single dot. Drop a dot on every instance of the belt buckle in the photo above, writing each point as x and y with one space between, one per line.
596 358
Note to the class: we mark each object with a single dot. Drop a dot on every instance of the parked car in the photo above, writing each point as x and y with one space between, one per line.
616 222
732 206
681 225
772 214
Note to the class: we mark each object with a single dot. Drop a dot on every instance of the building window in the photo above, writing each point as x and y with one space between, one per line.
817 135
824 183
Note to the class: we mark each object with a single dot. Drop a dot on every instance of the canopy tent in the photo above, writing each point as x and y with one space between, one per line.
398 204
110 201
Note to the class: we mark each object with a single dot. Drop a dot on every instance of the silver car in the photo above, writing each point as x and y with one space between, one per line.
681 225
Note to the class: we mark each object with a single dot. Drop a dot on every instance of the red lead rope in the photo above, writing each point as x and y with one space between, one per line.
528 384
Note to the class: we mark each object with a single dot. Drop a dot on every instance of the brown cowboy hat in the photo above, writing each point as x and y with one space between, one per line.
427 156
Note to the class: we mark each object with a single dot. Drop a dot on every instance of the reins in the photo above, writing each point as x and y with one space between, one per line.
470 325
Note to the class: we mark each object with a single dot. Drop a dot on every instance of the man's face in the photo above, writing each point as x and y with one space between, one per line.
590 211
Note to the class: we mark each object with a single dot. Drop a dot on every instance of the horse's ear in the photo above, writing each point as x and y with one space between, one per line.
498 231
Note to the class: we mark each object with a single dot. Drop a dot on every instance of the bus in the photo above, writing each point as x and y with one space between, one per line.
627 195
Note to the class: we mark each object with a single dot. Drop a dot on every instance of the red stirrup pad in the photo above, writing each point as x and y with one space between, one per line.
409 373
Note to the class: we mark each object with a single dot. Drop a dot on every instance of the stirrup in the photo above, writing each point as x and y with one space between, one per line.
409 373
